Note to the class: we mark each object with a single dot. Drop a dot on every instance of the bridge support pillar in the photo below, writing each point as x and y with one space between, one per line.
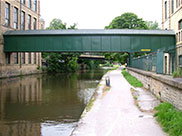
130 55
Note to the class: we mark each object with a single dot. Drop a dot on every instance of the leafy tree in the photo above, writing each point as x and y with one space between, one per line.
72 26
58 62
127 21
58 24
152 25
117 57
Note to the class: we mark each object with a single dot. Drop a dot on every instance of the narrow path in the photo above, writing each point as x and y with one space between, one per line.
115 114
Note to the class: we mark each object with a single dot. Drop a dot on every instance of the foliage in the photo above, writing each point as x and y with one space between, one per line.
152 25
127 21
169 118
117 57
57 24
107 64
177 73
132 80
58 62
90 64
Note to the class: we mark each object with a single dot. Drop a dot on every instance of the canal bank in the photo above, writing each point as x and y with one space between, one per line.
112 112
45 104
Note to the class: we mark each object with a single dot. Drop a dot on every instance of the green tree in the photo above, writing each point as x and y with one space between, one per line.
127 21
152 25
59 62
117 57
57 24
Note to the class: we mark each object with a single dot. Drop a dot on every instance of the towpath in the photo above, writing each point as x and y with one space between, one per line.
114 113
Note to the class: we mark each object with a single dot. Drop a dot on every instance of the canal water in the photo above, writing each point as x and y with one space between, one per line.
45 105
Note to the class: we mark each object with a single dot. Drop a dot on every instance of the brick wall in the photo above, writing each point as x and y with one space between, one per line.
12 69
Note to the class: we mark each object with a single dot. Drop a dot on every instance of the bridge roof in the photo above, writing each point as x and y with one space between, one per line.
91 32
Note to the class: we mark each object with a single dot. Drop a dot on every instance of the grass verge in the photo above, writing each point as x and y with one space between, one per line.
132 80
169 118
90 104
135 97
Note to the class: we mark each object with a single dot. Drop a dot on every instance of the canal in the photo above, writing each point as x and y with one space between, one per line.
45 104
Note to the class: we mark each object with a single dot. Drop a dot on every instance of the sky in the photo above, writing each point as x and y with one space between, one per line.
96 14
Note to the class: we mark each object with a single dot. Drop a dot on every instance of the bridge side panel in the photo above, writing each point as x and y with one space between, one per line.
87 40
125 44
155 43
96 43
77 43
106 43
115 43
86 43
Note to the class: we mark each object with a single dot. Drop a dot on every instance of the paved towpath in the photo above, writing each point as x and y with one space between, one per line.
114 113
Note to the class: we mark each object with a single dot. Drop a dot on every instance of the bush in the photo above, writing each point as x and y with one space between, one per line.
177 73
169 118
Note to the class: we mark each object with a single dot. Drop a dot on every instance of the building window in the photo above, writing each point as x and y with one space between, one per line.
35 58
165 10
22 20
180 24
178 3
29 3
29 58
35 5
180 60
8 58
16 58
34 23
15 18
7 14
23 58
29 22
172 6
179 39
23 1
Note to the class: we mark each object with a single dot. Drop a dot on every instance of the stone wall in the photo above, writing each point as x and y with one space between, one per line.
165 87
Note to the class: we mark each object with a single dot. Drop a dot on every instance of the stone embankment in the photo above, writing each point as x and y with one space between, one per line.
164 87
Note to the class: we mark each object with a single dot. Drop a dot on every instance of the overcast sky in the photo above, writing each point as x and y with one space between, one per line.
90 14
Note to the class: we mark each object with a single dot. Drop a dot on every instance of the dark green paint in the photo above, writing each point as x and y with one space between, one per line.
106 42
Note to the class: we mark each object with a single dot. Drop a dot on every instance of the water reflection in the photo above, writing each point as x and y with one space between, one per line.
44 104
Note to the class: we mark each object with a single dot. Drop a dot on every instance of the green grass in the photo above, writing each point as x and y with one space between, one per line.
169 118
90 104
132 80
177 73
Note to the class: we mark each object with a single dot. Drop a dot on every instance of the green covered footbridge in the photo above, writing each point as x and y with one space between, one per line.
113 40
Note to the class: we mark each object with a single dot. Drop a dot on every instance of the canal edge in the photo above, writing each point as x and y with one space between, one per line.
99 91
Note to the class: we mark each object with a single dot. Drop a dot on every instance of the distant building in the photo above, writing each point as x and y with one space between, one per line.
16 15
42 23
172 19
